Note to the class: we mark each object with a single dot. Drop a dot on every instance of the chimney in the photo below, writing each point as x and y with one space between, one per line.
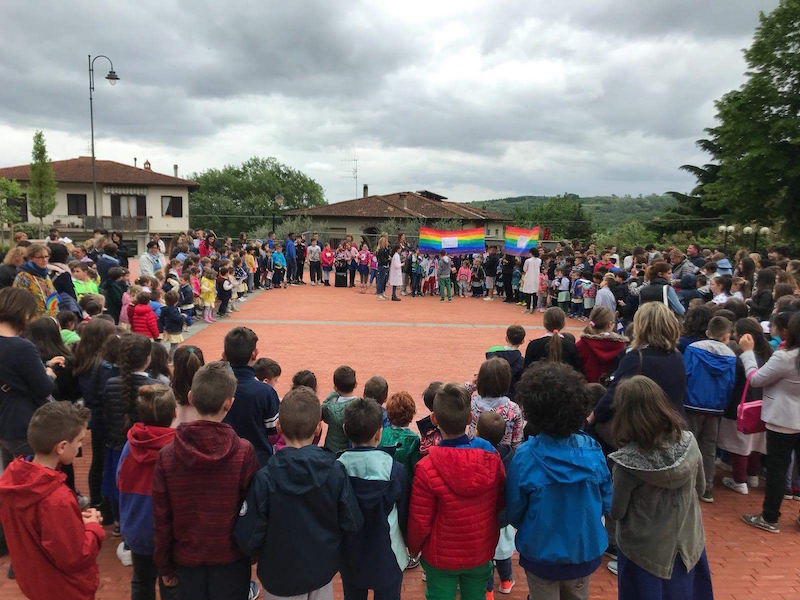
146 165
175 170
134 161
366 190
405 201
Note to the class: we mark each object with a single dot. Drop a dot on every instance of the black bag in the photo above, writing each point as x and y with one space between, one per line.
341 279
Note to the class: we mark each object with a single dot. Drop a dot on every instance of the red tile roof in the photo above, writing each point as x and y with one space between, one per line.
79 170
401 205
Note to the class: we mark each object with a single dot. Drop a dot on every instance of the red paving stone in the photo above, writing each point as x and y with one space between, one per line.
417 341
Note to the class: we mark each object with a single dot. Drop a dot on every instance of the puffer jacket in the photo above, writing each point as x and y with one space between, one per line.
599 354
455 501
780 379
144 321
120 413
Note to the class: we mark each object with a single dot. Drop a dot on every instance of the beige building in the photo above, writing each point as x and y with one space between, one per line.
135 201
366 215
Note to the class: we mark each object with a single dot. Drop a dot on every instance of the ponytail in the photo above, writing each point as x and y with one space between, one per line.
553 321
600 320
186 362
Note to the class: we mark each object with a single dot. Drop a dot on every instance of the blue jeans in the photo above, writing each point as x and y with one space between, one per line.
383 275
291 270
416 279
503 570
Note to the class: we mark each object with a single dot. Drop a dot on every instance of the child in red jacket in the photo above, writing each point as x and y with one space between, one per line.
53 546
199 483
143 319
455 500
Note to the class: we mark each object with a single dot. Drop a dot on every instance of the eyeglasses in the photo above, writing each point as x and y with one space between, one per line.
41 256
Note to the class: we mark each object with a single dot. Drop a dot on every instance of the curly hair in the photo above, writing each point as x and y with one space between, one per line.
400 409
554 399
696 322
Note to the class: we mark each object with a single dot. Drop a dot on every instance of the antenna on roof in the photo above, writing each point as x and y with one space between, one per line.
354 172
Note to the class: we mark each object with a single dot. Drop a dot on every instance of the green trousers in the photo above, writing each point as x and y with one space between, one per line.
442 584
445 282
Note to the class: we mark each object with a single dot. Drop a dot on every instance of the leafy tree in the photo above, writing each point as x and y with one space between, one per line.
626 236
42 185
242 198
756 145
563 214
9 214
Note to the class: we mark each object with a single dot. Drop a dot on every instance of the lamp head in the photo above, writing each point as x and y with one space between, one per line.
747 230
731 229
764 231
112 77
279 200
721 228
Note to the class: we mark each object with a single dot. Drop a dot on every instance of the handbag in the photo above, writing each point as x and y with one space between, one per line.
748 414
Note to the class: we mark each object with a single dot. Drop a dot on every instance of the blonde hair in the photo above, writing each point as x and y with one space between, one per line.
655 325
14 254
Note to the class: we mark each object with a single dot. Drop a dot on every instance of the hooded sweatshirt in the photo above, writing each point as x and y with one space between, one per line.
599 354
455 501
135 483
199 483
556 493
297 510
52 549
710 376
656 507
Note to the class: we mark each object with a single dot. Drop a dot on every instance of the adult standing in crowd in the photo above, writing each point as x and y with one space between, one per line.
396 272
290 253
384 257
122 249
150 262
34 277
530 287
107 260
8 270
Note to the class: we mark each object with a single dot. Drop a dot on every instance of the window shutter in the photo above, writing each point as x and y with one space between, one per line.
115 208
141 206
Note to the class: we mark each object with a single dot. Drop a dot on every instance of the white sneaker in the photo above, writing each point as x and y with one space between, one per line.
740 488
124 555
613 567
487 298
752 481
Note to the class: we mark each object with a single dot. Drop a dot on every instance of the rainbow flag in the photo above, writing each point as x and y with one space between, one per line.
520 241
452 242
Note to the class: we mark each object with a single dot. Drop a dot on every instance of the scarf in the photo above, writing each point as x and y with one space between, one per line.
31 268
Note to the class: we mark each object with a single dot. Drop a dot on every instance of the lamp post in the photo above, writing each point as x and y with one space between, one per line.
726 230
278 203
112 79
756 231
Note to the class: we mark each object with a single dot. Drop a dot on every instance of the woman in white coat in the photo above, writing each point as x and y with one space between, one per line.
530 287
396 272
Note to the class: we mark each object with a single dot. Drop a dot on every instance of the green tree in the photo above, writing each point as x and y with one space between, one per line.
242 198
42 185
9 213
564 215
756 145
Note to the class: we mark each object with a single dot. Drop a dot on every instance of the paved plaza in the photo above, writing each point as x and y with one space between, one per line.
420 340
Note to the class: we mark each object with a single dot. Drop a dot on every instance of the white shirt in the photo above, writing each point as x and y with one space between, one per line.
531 268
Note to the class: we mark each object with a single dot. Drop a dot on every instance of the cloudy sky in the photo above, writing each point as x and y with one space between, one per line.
472 99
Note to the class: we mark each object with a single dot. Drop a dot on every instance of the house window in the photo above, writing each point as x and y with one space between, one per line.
128 206
171 206
496 232
76 204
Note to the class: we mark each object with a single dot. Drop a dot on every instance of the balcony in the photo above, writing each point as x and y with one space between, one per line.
90 222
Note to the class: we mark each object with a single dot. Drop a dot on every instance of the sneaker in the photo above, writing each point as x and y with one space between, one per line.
506 586
83 501
395 299
759 522
788 495
381 297
124 555
752 481
487 298
255 591
796 492
707 497
490 595
611 552
721 464
613 566
729 483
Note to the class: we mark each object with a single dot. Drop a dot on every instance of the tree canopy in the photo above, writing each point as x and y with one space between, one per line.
42 185
242 198
564 215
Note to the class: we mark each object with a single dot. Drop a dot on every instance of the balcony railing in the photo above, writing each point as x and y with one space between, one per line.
90 222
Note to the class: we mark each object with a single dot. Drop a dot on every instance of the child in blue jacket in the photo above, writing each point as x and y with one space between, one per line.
156 406
558 486
375 557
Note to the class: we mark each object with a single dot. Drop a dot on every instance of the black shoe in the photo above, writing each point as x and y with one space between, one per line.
395 299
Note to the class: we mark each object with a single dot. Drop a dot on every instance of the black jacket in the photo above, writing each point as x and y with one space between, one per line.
120 413
514 360
254 413
296 512
24 386
539 349
93 383
170 320
185 295
761 305
7 275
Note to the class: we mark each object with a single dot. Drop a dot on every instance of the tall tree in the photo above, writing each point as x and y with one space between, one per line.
42 185
756 145
242 198
9 213
564 215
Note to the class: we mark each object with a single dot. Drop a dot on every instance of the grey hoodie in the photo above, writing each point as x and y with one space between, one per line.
656 507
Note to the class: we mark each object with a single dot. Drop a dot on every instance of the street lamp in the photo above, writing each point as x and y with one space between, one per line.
112 78
726 230
278 203
764 231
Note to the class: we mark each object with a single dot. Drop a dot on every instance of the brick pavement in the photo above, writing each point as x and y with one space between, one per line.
419 340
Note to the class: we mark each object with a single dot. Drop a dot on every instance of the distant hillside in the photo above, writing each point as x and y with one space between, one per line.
606 211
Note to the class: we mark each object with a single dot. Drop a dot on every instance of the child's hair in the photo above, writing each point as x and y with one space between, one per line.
171 297
300 413
115 273
159 361
724 281
55 422
782 289
696 322
155 295
89 351
750 325
596 391
305 378
46 336
211 386
239 345
515 335
643 415
494 378
156 405
17 307
718 327
553 321
737 307
430 393
186 276
600 319
208 273
376 389
554 399
400 409
67 319
780 322
134 355
363 418
491 427
344 379
143 298
765 279
185 363
701 280
266 368
451 407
